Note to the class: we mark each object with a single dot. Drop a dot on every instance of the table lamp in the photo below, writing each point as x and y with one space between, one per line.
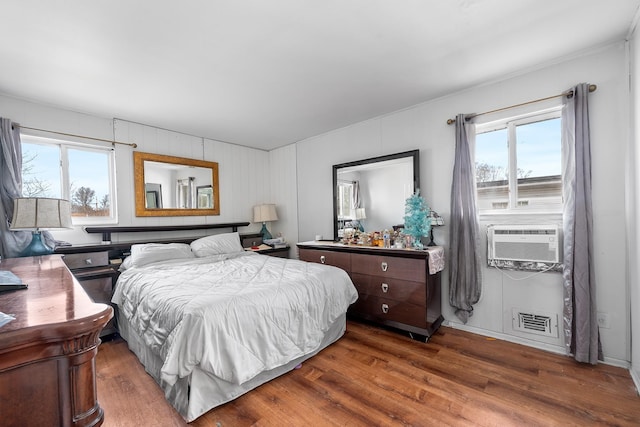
36 213
360 215
436 221
263 214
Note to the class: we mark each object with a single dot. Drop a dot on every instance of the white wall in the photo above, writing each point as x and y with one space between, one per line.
244 173
424 127
633 208
283 172
387 201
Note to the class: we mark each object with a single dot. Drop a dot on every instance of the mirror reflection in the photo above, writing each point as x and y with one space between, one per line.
370 194
168 186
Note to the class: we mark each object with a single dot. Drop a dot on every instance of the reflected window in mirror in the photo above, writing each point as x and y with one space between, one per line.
345 200
175 186
153 195
205 197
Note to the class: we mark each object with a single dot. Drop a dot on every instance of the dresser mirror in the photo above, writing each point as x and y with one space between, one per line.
175 186
370 194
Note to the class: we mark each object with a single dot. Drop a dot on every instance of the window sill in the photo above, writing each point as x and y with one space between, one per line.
485 216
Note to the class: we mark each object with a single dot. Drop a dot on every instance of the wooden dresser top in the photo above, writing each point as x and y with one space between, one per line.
53 302
369 250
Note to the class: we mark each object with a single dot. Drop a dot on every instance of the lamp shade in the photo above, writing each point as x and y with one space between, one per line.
360 213
36 213
264 213
436 220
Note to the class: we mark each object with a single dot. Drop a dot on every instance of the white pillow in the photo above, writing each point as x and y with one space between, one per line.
217 244
125 264
143 254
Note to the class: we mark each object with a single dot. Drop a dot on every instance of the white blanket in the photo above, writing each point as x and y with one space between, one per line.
232 315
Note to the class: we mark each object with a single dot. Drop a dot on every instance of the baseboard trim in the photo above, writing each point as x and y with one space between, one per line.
635 376
535 344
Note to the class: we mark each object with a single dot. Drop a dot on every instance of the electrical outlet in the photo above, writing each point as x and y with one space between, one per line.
603 320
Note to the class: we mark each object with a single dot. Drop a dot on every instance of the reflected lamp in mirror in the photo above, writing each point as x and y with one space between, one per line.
39 213
436 221
265 213
360 215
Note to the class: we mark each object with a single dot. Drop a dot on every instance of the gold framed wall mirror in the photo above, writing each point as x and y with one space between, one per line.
175 186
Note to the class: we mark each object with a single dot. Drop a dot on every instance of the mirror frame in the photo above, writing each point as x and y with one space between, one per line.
138 171
414 154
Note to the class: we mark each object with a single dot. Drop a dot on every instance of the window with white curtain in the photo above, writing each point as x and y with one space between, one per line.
345 200
518 164
81 173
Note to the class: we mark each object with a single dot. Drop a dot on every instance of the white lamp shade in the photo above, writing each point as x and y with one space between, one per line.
264 213
34 213
360 213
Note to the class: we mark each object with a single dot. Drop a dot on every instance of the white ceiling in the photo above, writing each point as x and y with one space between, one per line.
266 73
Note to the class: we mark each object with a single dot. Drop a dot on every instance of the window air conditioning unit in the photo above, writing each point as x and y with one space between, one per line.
533 243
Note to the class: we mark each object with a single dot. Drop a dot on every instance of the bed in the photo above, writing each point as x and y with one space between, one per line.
210 321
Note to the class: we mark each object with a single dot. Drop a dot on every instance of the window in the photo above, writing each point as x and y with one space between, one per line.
518 164
80 173
345 200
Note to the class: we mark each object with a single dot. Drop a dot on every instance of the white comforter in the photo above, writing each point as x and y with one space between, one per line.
232 315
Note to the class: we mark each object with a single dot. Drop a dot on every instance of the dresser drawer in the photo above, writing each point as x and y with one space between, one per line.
390 288
337 259
88 259
411 269
383 309
394 287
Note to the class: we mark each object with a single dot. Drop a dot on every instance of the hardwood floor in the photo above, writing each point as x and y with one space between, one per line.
374 377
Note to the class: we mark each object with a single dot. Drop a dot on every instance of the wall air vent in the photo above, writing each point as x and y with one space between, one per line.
536 323
534 243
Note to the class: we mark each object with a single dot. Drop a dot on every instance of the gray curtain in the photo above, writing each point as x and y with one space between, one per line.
580 321
11 242
465 278
355 195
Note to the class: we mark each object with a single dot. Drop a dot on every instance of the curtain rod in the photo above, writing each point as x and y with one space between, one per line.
131 144
592 88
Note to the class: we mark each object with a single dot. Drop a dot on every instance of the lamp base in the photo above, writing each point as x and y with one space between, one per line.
36 247
265 233
431 242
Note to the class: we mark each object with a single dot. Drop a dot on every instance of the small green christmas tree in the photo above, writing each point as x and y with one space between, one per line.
416 220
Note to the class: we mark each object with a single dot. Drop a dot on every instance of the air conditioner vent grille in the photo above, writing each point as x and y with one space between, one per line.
536 323
533 322
552 232
529 243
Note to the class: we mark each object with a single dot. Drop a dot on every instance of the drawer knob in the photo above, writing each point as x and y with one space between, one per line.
385 288
384 266
385 308
88 261
322 259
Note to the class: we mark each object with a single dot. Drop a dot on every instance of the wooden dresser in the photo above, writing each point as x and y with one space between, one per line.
394 285
47 354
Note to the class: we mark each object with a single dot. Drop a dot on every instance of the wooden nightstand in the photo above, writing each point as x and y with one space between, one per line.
96 275
277 252
255 239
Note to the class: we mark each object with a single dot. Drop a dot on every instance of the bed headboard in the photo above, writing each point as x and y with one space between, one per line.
121 249
106 231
